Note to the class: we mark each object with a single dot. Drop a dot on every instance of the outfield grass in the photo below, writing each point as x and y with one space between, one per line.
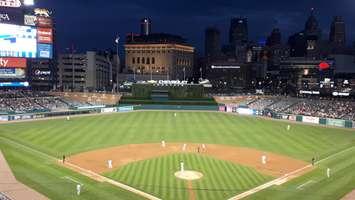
58 137
221 179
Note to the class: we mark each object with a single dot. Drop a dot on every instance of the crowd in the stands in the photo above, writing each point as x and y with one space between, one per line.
326 108
18 101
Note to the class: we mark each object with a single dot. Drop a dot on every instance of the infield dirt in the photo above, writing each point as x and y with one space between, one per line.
96 161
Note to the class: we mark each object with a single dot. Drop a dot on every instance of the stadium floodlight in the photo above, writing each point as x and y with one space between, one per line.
29 2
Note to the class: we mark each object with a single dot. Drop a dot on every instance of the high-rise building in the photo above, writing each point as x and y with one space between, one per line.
337 32
146 26
212 42
297 43
90 71
274 38
238 32
313 35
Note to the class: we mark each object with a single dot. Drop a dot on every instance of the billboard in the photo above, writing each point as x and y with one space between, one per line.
45 51
12 73
10 3
45 35
11 16
30 20
44 22
18 41
308 119
14 84
13 63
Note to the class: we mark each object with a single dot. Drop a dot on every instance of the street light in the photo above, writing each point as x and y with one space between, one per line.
117 41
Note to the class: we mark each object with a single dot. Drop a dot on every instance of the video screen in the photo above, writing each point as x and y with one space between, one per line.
12 73
18 41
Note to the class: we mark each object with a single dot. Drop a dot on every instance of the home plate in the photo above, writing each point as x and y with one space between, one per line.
189 175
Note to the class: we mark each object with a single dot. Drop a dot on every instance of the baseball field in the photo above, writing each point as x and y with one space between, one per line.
225 149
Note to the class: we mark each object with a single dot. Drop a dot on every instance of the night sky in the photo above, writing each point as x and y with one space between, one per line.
93 24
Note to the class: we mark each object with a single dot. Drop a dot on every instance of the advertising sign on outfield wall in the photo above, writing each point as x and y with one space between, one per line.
125 109
245 111
313 120
229 108
292 117
108 110
336 122
4 118
222 108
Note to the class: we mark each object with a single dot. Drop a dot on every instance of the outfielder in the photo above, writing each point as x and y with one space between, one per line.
78 189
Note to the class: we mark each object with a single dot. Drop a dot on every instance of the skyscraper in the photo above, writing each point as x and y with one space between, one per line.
312 25
146 26
212 42
337 32
238 32
274 38
313 35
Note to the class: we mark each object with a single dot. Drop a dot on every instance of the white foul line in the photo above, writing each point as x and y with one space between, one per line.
282 179
73 180
304 184
88 172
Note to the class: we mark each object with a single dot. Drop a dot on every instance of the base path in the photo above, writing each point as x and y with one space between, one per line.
13 189
96 161
350 196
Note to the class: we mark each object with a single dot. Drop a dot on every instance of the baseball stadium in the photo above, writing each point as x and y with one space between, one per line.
98 102
241 147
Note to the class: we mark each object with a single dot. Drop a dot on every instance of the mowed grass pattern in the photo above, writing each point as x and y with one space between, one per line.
58 137
316 185
221 179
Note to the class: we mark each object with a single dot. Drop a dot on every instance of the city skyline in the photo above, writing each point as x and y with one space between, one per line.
189 21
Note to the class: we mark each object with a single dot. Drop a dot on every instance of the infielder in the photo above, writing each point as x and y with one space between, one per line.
263 159
109 163
184 147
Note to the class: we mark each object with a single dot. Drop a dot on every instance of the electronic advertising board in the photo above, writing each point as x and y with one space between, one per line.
12 73
45 51
44 35
13 63
10 3
18 41
14 84
11 16
12 68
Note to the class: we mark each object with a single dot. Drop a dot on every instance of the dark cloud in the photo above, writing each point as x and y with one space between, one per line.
94 23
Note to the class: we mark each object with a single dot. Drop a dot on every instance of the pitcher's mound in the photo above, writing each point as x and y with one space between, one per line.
189 175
